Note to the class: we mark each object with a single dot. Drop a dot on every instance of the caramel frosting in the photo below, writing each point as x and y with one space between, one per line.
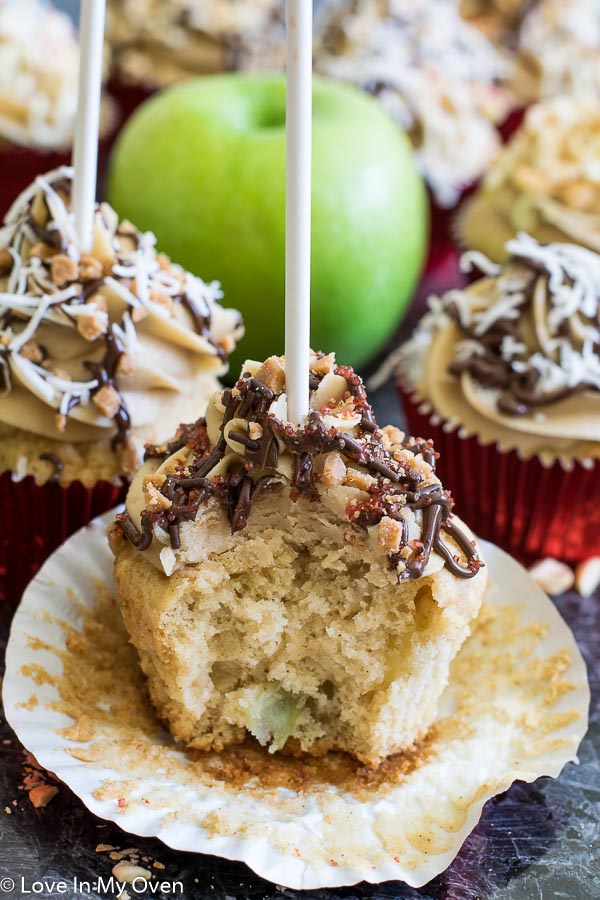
559 47
436 74
546 182
99 346
157 43
39 59
376 480
515 357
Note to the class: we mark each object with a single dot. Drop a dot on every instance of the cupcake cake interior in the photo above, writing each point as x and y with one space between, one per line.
309 587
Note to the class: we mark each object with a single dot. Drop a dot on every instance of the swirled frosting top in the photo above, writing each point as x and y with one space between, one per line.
516 355
39 58
434 72
374 479
93 345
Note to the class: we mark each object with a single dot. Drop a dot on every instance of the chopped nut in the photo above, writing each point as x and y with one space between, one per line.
389 535
410 461
108 264
155 501
356 478
32 351
42 795
531 180
63 269
162 300
227 343
41 250
91 324
99 301
6 261
255 431
126 365
138 313
580 195
126 871
272 373
90 268
62 373
323 365
334 469
108 400
127 227
553 576
587 576
391 437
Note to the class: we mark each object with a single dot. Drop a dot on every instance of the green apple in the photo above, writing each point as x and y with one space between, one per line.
202 165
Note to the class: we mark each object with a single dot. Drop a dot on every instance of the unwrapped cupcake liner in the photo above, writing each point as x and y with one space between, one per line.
529 509
36 519
516 707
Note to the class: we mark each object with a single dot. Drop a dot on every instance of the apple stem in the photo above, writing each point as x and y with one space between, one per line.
298 206
85 147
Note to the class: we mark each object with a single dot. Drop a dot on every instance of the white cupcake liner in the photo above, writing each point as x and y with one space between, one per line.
516 708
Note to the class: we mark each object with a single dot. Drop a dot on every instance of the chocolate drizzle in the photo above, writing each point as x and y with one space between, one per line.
398 480
519 380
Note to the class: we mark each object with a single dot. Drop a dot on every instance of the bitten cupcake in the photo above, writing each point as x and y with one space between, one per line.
153 44
504 376
39 63
101 353
436 74
546 182
308 586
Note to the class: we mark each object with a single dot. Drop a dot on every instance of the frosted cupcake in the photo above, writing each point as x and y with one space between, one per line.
102 352
546 181
39 64
330 584
559 50
505 377
436 74
154 44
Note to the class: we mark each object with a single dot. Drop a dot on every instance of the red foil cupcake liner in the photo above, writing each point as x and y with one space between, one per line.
530 510
19 166
36 519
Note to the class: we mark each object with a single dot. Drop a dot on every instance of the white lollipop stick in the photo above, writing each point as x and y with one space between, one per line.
85 148
298 202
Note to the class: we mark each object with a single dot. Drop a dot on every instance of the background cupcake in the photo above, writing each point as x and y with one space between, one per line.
504 376
437 75
39 64
559 50
102 352
546 181
154 44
